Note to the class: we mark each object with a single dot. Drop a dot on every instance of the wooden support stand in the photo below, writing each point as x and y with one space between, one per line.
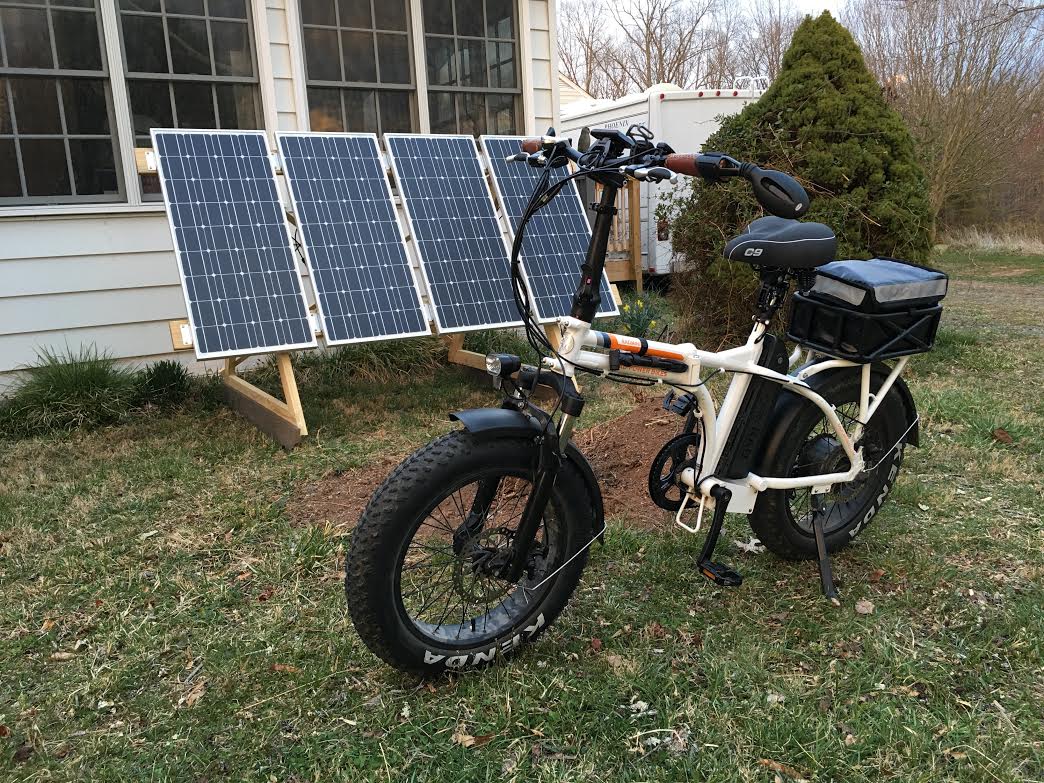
284 422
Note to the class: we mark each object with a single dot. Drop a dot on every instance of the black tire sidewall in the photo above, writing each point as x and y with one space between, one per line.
771 519
390 519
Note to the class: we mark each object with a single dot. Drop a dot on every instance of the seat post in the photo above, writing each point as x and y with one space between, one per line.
773 290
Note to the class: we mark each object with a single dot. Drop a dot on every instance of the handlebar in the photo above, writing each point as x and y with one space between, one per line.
778 193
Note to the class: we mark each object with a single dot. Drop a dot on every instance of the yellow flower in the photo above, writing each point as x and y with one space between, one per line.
639 303
652 324
626 308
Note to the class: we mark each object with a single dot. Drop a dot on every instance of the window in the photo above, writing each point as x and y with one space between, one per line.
189 64
360 65
470 47
57 130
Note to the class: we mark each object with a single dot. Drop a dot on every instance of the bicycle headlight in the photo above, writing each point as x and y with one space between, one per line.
501 365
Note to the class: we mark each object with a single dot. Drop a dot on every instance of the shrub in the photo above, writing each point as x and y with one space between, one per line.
68 390
165 383
824 120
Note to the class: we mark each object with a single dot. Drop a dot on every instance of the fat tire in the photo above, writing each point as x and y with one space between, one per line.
391 517
771 519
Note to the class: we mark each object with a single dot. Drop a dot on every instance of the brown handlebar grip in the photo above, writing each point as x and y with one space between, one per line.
532 145
683 163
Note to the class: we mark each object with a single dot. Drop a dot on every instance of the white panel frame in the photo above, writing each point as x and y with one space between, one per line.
307 250
263 135
413 231
511 230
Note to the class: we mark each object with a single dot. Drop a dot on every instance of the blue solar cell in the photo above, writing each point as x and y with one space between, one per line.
456 231
556 238
351 237
240 277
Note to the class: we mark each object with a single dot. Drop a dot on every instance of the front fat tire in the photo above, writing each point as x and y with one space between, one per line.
772 521
393 514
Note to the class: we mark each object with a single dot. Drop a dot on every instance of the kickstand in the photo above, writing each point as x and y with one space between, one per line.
825 575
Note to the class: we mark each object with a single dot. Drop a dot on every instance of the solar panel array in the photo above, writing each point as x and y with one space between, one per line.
556 238
365 289
240 277
455 229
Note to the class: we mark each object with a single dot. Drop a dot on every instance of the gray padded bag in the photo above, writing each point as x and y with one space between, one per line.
879 285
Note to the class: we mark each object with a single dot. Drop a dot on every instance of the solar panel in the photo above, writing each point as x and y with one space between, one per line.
456 231
241 281
351 237
557 236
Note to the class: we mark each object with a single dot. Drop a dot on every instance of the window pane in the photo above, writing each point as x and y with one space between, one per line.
500 19
437 17
237 109
36 105
390 14
472 113
318 12
322 55
231 49
394 54
76 39
46 169
396 115
360 109
150 105
10 184
189 50
5 109
75 3
440 109
501 114
472 63
441 57
185 7
195 105
469 17
94 168
140 5
501 64
233 8
355 13
143 44
324 110
359 62
86 107
26 37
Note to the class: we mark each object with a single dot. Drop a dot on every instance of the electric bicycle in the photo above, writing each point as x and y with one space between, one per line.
474 544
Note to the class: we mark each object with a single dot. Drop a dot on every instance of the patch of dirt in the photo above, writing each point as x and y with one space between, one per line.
620 451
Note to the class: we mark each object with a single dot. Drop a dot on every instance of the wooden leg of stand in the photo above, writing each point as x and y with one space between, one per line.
284 422
457 354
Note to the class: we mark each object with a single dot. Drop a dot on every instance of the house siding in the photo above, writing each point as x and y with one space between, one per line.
108 278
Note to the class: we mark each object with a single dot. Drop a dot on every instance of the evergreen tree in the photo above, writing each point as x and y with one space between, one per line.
825 121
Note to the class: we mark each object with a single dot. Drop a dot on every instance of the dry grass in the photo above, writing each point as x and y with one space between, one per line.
1024 239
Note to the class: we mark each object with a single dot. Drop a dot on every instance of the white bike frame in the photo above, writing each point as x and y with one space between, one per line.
577 336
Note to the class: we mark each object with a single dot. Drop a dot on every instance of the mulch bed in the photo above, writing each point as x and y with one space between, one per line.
620 450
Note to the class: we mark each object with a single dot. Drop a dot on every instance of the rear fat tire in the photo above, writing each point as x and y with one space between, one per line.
398 508
772 520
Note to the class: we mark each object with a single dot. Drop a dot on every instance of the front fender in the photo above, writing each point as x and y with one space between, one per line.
498 422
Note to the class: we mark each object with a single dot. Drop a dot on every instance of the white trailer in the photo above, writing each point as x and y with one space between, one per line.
682 118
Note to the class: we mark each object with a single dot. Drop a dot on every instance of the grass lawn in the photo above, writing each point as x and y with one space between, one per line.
162 617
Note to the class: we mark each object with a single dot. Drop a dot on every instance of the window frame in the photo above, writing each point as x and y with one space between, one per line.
411 89
518 92
172 78
57 75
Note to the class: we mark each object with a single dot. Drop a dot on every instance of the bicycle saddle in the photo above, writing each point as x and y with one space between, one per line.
784 244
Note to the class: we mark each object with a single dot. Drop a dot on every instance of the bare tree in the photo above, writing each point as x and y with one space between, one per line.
587 51
967 76
662 40
765 36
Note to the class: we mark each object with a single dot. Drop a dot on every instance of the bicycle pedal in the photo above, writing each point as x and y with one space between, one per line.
720 574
